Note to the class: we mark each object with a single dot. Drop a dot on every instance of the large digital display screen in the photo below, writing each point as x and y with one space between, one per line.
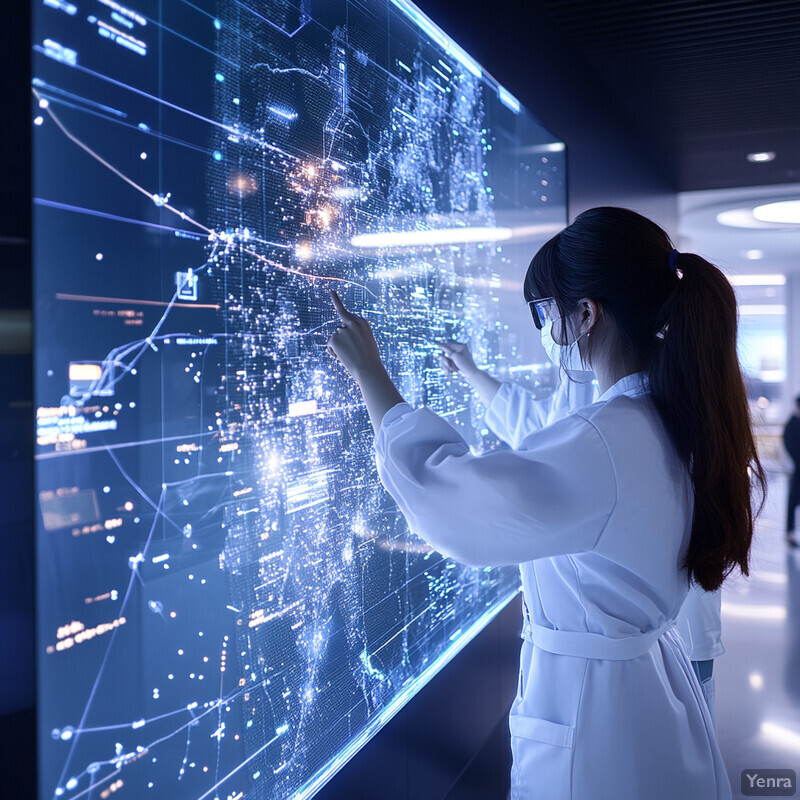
229 604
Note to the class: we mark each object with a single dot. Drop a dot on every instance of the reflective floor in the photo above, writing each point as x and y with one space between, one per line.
758 678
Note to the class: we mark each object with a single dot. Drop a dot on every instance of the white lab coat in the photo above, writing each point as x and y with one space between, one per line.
596 509
514 413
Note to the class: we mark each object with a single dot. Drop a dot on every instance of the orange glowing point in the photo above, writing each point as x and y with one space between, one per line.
85 372
242 184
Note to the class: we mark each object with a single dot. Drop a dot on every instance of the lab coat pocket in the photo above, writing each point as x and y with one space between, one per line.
542 752
541 730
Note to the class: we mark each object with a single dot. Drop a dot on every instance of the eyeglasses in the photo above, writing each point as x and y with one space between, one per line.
543 310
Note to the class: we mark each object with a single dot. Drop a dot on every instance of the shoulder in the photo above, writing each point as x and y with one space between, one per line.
621 410
629 424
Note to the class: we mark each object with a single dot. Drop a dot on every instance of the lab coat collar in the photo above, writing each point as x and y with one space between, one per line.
631 385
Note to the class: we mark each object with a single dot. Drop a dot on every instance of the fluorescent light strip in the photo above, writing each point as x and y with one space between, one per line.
750 611
444 236
440 37
508 99
762 310
463 58
434 237
434 31
757 280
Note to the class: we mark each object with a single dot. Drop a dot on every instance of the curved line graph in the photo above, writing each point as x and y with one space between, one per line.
163 202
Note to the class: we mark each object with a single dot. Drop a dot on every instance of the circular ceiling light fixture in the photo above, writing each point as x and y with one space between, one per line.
786 212
761 158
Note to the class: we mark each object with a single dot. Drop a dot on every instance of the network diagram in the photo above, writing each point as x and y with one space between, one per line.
230 605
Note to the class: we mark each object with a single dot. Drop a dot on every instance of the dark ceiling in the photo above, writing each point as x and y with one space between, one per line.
704 83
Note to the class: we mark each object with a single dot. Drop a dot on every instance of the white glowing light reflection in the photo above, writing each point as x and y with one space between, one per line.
780 736
442 236
747 611
784 212
760 310
757 280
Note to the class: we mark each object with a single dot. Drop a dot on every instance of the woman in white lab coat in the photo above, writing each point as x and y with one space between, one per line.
610 512
513 413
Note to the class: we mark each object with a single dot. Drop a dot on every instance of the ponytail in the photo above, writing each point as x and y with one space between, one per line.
697 386
680 331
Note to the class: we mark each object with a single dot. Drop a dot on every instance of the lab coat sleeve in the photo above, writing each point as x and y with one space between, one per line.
514 413
502 507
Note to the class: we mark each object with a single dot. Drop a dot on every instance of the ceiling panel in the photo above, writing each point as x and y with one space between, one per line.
707 82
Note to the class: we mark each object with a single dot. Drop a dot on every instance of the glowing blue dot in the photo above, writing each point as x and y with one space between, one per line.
217 24
217 155
72 783
220 77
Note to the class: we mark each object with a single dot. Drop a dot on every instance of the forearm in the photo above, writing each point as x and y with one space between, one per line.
483 383
379 393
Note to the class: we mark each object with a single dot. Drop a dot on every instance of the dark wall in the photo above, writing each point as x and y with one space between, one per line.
16 391
609 162
17 741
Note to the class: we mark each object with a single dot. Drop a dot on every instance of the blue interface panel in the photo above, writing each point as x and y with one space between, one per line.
229 604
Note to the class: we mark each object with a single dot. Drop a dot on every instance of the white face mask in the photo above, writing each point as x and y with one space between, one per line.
572 360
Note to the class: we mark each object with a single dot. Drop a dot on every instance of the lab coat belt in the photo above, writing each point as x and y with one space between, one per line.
593 645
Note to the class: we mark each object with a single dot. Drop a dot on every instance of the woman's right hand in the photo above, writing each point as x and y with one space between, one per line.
456 357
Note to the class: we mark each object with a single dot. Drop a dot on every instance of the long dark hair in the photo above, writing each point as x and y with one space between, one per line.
679 327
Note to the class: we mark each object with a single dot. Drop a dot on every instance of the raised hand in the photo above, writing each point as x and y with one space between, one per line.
456 357
353 343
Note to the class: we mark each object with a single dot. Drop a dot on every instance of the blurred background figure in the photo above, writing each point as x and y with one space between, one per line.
791 440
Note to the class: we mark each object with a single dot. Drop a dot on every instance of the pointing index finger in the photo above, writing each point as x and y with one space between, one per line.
344 314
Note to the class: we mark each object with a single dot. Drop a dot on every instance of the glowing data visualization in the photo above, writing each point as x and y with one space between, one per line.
229 604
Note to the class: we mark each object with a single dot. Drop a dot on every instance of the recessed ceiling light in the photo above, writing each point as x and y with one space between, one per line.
787 211
760 158
754 255
739 218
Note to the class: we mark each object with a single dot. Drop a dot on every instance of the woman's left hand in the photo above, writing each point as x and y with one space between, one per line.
353 343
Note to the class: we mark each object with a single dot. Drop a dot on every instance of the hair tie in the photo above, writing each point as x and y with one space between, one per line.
673 259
